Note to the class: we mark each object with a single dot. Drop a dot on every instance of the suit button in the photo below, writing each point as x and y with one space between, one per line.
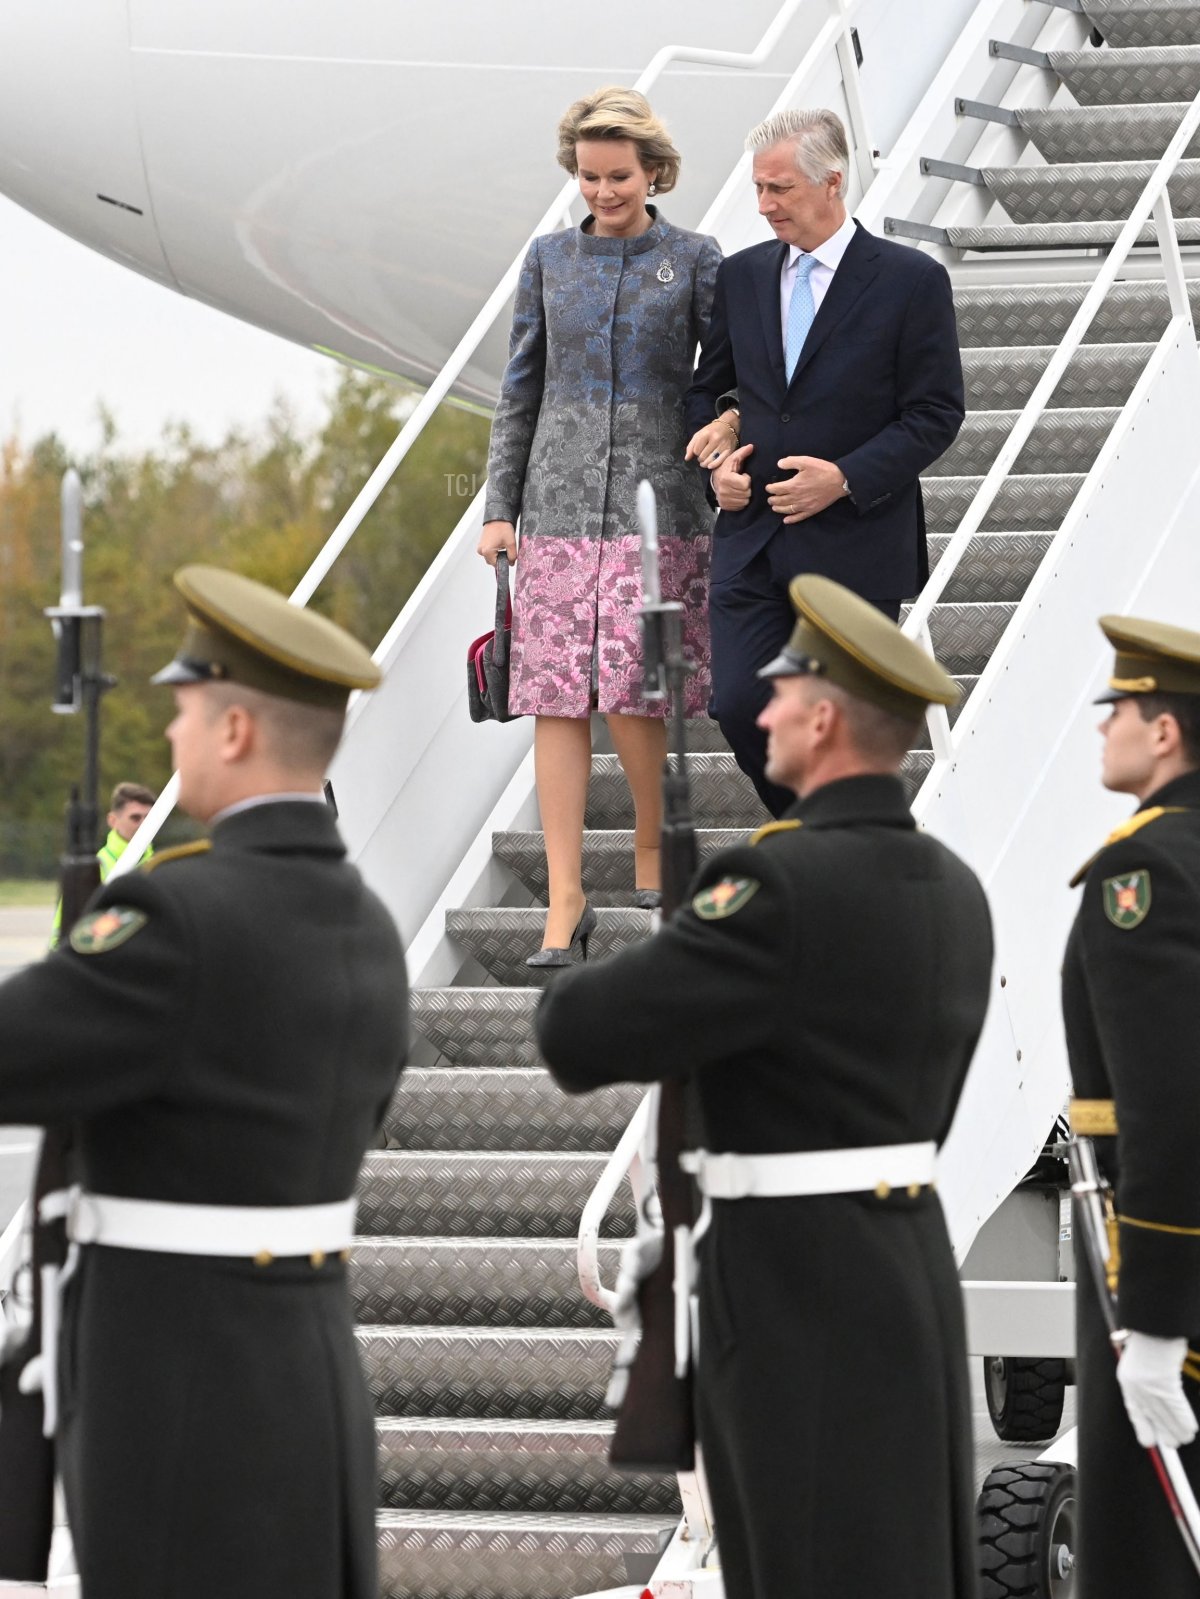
786 416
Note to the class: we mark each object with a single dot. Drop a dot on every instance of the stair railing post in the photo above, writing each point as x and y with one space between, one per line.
1172 259
860 132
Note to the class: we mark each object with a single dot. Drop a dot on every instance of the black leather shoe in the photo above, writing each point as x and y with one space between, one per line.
576 951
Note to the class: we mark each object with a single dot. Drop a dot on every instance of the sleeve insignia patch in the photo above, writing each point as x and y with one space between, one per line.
99 931
724 898
1127 899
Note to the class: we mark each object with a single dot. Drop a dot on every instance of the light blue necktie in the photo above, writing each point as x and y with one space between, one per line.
801 311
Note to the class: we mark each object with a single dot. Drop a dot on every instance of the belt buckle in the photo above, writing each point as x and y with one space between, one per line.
736 1175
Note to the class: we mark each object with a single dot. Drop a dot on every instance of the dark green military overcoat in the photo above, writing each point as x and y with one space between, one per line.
1131 1003
238 1047
825 989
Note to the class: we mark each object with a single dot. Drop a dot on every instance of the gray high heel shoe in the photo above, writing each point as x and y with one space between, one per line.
576 951
648 899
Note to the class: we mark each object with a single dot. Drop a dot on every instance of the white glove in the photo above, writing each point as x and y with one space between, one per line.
32 1378
1150 1372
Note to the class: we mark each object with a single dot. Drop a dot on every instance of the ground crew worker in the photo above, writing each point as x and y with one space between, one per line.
823 990
127 810
225 1029
1130 982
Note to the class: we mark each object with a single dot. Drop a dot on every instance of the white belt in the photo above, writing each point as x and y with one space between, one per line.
877 1169
253 1232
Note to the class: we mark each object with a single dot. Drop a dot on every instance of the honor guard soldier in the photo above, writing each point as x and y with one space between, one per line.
1131 978
224 1029
823 991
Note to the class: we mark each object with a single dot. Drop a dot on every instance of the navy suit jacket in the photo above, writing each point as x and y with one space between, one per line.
878 389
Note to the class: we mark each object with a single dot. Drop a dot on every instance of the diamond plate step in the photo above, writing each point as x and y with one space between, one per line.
528 1466
488 1195
1098 375
501 939
1037 502
474 1282
607 861
483 1026
1058 235
499 1372
704 737
1093 191
427 1554
1066 440
1000 316
722 795
997 566
1104 133
481 1108
1137 23
1144 76
965 634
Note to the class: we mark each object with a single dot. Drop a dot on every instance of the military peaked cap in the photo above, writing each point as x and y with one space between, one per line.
1152 658
240 631
845 640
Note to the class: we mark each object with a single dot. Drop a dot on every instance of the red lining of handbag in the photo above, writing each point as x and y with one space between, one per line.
475 658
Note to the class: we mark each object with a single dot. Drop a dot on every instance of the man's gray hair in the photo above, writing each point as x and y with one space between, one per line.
817 137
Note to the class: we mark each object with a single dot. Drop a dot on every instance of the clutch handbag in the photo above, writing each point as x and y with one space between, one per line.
488 659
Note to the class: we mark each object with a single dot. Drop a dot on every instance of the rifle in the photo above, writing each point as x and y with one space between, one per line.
655 1427
26 1445
1094 1207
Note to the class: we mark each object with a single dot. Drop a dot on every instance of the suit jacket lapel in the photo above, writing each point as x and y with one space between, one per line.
857 268
766 283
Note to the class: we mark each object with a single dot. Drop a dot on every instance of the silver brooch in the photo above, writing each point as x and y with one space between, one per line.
665 273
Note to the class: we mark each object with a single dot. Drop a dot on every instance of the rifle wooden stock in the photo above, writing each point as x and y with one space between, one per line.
656 1429
27 1465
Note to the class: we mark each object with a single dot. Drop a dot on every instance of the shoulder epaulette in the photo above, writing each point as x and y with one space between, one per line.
768 828
1127 829
198 846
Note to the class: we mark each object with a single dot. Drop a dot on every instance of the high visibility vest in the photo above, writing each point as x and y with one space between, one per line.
108 855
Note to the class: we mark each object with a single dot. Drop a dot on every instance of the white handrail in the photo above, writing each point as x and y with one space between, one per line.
618 1165
1153 198
834 33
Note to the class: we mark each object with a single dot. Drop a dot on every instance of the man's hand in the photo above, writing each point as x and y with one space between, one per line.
1151 1377
730 484
815 485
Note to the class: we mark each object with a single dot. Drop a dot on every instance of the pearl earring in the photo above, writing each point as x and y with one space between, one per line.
653 189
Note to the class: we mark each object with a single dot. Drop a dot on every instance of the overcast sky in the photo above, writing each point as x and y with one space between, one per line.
78 328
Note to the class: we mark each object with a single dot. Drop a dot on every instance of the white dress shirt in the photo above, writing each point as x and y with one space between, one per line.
829 256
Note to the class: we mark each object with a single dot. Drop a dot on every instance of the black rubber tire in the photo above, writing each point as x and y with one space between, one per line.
1026 1521
1024 1397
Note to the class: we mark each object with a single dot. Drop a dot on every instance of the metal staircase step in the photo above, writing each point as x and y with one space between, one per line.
483 1107
501 939
1066 440
1104 133
1052 235
1034 503
474 1372
704 737
1092 191
439 1463
1033 315
722 795
474 1282
1098 375
482 1026
1132 23
490 1195
607 862
1139 76
996 566
429 1554
966 634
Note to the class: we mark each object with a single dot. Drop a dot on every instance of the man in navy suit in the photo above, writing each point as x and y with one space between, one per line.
843 352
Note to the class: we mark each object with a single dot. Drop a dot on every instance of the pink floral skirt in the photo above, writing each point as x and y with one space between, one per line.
576 637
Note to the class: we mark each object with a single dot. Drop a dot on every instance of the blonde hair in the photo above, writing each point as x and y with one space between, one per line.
617 113
818 138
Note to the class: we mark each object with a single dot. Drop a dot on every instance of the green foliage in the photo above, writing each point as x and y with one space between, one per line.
262 504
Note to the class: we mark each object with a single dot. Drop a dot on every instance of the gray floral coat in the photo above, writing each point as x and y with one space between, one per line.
603 344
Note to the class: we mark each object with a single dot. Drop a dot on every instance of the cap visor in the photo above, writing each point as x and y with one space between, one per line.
1112 695
180 672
